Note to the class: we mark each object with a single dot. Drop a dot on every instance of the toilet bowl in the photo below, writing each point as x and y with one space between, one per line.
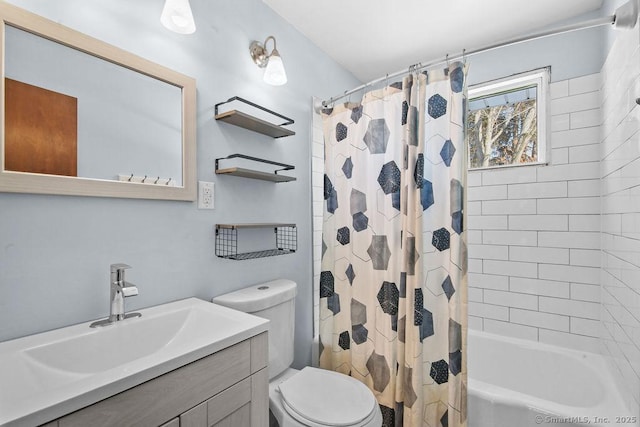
318 398
310 397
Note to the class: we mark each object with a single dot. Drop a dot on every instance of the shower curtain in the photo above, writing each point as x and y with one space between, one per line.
393 285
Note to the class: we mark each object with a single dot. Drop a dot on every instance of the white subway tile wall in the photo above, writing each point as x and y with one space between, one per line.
620 221
536 254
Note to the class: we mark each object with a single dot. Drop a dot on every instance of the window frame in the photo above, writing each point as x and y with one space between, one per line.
539 77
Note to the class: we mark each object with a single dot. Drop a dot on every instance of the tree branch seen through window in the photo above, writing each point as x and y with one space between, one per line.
503 127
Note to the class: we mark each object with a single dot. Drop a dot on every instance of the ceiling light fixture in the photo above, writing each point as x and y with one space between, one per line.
177 17
274 73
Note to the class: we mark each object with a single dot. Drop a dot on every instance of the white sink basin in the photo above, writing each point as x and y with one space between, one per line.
47 375
105 348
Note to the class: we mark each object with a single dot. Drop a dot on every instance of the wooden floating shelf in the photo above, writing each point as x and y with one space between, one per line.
254 124
247 121
249 173
255 174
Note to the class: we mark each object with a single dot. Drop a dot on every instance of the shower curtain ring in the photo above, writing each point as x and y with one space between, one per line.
446 58
464 56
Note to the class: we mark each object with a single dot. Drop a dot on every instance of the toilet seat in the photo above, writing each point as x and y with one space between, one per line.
320 398
308 423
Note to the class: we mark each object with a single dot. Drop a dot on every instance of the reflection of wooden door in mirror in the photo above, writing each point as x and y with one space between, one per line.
41 130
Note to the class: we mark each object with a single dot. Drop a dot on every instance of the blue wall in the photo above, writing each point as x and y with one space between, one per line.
55 251
570 55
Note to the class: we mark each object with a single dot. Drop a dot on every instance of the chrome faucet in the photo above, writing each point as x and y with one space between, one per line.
119 290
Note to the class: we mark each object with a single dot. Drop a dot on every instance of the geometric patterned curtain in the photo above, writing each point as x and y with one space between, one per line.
393 285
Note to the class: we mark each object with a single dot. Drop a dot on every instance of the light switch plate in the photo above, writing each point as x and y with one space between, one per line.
206 195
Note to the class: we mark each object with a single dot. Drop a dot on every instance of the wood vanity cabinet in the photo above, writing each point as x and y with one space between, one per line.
229 388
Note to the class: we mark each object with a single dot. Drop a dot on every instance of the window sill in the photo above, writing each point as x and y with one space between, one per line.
519 165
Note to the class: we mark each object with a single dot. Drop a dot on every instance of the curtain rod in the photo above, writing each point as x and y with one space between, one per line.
625 17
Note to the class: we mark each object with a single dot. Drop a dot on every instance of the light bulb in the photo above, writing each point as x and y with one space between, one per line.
177 16
275 74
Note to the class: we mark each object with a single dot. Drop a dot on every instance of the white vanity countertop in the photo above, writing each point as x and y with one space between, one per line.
48 375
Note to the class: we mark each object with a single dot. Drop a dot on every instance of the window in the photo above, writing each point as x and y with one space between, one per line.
506 121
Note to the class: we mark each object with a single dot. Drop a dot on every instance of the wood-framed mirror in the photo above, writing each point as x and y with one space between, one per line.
81 117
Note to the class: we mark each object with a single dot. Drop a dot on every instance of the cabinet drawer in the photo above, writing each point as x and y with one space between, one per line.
231 407
161 399
228 402
173 423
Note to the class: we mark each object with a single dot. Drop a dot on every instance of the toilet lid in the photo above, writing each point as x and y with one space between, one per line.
327 398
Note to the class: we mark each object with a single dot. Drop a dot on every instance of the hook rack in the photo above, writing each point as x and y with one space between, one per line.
148 180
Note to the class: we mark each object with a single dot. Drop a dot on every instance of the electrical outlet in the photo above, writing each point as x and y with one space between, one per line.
205 195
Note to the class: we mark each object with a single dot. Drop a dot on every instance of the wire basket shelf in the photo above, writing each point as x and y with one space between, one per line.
286 241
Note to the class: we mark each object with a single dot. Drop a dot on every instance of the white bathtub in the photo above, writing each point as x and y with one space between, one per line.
519 383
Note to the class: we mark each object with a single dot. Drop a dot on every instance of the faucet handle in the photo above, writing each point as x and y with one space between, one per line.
129 291
119 266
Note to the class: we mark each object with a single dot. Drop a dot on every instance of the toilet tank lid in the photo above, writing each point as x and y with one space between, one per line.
259 297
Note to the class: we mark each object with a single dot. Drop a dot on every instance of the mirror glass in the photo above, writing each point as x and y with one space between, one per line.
83 117
126 123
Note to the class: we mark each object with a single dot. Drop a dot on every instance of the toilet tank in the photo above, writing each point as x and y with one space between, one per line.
274 301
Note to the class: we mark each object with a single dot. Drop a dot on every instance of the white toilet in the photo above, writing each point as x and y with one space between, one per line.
311 397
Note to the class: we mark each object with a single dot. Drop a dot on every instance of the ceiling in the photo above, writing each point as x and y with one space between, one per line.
371 38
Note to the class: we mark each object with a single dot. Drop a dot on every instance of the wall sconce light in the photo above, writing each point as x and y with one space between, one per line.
274 73
177 16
